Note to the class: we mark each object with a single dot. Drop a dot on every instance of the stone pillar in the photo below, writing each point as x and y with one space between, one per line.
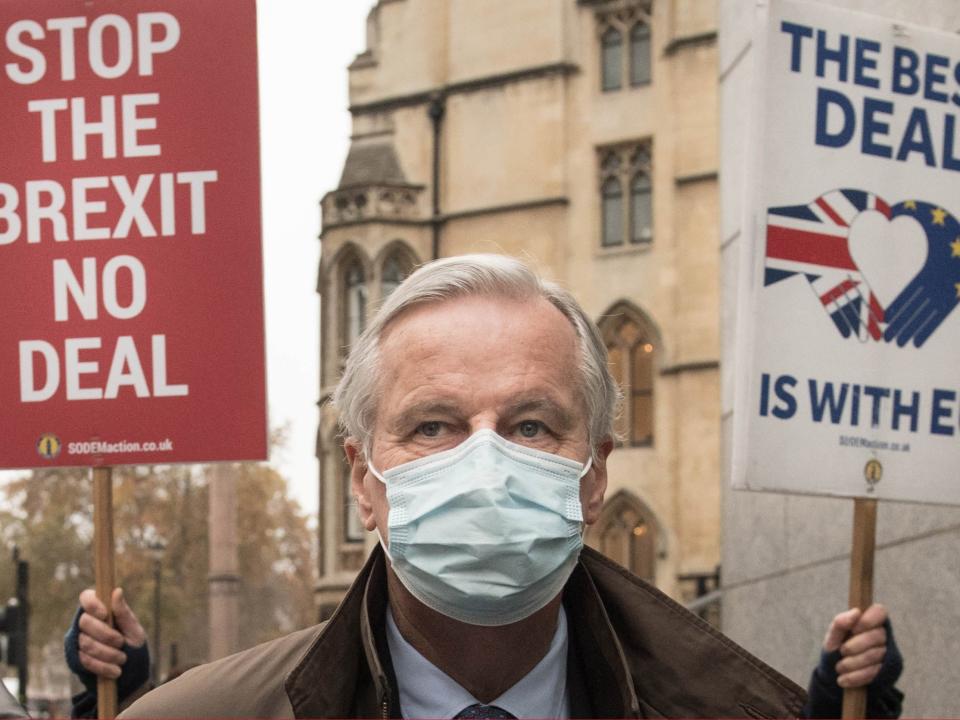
224 581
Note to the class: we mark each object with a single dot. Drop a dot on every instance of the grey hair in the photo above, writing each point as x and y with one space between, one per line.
489 275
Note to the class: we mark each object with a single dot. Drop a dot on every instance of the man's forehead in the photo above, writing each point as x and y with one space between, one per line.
503 350
478 311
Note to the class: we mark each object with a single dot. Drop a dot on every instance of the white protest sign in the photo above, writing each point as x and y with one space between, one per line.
848 335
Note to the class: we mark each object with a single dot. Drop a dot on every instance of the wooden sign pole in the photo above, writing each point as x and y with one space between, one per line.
861 585
103 571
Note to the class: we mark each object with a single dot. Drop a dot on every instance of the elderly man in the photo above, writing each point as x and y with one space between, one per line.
478 411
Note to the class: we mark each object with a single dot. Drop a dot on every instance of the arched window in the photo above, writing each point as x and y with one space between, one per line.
626 532
641 393
626 169
611 60
641 208
392 276
354 301
631 346
397 265
612 196
640 54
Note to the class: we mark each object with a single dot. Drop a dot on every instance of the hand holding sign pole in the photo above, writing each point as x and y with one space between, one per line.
861 586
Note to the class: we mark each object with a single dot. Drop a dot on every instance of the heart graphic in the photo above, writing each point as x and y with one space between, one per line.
881 272
888 253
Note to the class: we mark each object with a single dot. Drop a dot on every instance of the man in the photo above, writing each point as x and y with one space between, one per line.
857 652
478 411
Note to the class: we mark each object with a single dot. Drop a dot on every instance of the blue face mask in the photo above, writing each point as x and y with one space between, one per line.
486 533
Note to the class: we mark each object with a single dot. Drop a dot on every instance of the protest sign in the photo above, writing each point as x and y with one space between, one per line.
130 259
848 336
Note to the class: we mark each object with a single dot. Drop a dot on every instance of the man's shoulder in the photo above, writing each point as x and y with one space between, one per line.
666 647
246 684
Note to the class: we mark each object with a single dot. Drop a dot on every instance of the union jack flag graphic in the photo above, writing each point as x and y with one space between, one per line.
812 240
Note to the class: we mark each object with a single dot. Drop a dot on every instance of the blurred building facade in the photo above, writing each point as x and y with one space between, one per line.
786 558
581 135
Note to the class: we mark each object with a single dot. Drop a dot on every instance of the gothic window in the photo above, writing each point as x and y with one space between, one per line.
611 59
392 276
612 212
354 301
397 265
631 346
623 27
626 532
640 54
626 223
641 209
641 393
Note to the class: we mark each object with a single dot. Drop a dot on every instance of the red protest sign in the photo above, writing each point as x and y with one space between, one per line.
130 260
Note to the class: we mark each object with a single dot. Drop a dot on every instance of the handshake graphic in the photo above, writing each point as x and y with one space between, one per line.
884 273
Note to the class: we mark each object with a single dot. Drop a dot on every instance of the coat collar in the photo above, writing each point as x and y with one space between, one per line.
680 665
638 654
341 674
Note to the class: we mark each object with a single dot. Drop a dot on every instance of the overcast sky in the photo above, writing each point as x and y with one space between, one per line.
305 47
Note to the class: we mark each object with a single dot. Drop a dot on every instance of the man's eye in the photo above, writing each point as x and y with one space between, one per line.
429 429
530 428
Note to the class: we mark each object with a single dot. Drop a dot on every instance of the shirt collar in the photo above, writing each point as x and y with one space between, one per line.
428 692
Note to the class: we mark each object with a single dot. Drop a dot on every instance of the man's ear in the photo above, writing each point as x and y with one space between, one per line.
594 484
358 472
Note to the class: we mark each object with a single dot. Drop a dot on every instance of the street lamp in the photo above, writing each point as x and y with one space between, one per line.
156 550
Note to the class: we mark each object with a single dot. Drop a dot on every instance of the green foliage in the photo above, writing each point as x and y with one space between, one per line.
276 556
49 515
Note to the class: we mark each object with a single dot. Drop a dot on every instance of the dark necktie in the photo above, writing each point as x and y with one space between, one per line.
484 711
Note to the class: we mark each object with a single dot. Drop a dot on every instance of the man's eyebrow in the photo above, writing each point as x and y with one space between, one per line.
421 409
558 412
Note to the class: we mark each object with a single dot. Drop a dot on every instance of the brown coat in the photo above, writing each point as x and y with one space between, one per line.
633 653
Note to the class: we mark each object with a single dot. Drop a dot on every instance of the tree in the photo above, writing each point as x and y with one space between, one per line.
276 556
48 514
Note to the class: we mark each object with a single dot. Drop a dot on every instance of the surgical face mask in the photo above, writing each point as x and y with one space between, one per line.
486 533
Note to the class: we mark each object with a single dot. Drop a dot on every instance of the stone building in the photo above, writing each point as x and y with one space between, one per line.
786 558
581 135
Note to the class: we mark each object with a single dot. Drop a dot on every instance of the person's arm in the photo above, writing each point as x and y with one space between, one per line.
93 648
858 651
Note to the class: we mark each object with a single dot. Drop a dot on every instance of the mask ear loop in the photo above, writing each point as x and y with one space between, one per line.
586 468
583 473
378 476
375 472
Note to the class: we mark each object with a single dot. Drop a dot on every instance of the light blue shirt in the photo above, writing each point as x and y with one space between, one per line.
428 692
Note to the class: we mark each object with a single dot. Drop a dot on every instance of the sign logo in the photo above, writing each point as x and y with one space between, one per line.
49 446
881 272
873 473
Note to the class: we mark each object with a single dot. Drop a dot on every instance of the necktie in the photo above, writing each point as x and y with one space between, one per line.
484 711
